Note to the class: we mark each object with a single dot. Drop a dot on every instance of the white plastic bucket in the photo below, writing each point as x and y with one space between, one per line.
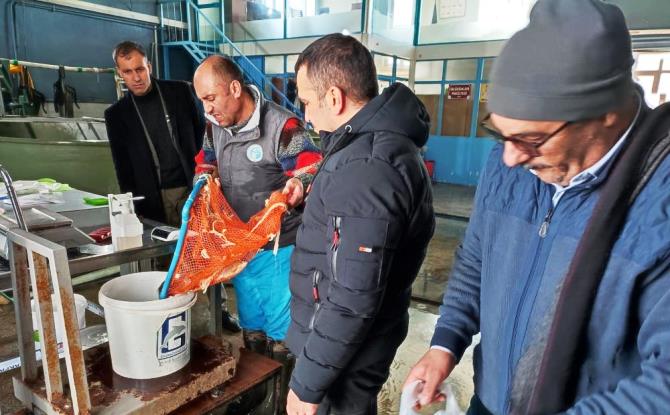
80 306
148 337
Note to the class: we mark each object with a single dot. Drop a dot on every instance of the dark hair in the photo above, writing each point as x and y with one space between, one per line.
127 47
341 61
224 68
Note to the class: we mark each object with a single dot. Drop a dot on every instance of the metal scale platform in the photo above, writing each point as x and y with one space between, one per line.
212 363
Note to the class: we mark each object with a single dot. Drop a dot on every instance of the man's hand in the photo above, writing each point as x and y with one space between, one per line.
294 191
205 168
294 406
432 369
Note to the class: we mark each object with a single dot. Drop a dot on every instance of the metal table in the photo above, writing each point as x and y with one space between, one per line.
44 268
88 218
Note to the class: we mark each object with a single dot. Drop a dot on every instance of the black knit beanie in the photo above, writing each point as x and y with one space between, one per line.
572 62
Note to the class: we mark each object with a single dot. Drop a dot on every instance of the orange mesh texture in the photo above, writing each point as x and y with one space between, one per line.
218 245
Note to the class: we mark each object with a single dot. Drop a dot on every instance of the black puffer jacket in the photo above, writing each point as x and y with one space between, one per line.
366 226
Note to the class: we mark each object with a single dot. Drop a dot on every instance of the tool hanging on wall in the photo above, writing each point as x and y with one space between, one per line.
64 96
19 95
29 98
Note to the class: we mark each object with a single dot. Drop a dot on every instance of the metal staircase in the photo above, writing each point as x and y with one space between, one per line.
193 30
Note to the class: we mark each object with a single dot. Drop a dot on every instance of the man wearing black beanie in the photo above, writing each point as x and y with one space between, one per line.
565 266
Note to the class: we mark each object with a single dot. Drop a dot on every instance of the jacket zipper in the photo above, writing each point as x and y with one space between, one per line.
337 223
544 229
316 276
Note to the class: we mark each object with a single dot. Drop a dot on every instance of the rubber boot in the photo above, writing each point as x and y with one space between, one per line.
283 355
255 341
229 323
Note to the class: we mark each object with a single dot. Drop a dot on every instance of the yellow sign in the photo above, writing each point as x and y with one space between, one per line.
484 92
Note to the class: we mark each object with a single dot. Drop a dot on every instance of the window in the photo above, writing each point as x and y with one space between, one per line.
384 64
402 68
652 72
428 71
454 95
290 62
394 19
254 19
320 17
462 69
274 64
448 21
383 84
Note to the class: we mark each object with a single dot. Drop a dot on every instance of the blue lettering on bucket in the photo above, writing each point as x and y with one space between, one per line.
172 334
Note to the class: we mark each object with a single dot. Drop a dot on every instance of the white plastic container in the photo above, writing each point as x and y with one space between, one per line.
126 227
80 306
148 337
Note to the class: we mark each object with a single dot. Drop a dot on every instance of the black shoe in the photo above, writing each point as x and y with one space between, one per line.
229 323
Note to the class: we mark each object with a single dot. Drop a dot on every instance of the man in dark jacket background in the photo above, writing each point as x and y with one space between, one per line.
154 133
367 222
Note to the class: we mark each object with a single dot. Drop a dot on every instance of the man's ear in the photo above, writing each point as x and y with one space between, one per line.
611 119
235 88
335 100
150 68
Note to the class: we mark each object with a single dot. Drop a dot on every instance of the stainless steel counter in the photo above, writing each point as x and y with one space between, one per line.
94 257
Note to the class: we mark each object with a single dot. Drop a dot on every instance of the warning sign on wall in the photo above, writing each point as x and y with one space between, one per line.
484 92
459 91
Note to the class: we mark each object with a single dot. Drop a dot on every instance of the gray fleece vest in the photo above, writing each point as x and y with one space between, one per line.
249 168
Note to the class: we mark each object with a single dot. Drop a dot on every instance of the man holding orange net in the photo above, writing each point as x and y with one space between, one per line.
256 147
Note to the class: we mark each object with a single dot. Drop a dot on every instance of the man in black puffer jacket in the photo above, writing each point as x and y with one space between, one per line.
367 223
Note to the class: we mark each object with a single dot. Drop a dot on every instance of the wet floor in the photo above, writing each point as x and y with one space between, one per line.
429 286
422 323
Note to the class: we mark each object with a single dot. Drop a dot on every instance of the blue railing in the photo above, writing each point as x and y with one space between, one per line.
184 24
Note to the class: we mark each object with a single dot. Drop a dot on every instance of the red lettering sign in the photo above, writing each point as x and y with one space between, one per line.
459 91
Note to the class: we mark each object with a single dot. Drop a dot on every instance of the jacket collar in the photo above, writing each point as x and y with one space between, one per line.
255 119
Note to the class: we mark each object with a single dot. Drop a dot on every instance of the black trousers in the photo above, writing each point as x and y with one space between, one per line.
355 390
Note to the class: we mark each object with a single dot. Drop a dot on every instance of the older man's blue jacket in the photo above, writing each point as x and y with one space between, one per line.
506 276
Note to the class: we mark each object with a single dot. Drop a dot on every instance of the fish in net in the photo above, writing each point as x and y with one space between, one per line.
217 245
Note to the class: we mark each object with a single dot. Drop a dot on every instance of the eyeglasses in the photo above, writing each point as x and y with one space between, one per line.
528 147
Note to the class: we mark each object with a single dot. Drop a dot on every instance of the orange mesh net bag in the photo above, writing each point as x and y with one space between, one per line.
218 245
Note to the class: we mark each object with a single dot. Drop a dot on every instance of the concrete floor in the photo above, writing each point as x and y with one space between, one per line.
453 199
434 272
448 199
